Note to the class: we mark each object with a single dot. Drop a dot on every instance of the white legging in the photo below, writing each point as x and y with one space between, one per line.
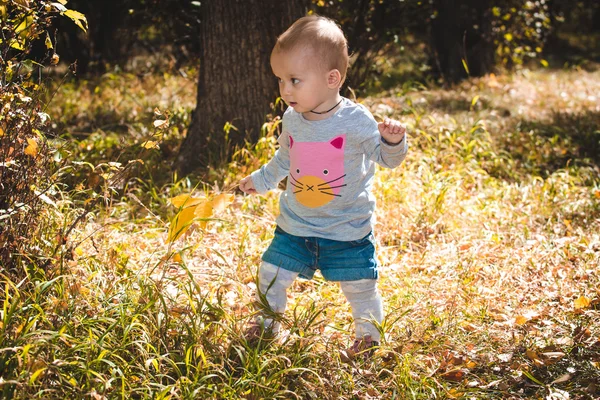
363 296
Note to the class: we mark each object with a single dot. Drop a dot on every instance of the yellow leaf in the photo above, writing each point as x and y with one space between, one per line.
26 23
596 193
1 132
15 44
176 258
184 200
181 223
48 41
221 201
520 320
582 302
508 37
204 211
150 145
78 18
32 148
544 63
532 355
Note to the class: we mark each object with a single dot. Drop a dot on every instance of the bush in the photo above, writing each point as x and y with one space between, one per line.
26 159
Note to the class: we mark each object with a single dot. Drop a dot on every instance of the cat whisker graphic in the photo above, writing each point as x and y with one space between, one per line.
323 190
336 179
330 194
332 187
295 183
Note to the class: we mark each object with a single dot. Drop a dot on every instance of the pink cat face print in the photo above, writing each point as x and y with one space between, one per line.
317 170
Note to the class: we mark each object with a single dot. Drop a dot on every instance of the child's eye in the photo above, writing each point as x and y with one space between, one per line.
295 81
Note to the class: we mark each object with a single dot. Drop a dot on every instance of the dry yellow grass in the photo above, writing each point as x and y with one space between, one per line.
488 237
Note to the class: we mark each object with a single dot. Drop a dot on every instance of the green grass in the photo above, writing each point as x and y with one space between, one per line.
488 237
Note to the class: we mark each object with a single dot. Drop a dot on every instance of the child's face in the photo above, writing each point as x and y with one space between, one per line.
303 83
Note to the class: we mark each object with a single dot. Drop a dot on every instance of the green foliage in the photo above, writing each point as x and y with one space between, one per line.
520 29
373 28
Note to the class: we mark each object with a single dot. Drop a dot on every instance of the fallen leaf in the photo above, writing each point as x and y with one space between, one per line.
562 379
532 355
455 375
520 320
581 302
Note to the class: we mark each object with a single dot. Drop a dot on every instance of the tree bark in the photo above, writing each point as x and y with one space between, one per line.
461 32
235 82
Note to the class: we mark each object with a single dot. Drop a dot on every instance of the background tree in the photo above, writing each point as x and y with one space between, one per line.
235 82
122 29
461 38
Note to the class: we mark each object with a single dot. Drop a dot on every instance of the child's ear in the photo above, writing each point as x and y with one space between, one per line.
334 79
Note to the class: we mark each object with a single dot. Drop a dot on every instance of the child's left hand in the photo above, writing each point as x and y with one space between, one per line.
391 131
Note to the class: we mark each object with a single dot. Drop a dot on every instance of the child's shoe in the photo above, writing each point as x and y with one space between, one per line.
257 331
363 348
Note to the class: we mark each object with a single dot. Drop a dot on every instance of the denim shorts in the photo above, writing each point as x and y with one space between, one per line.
338 261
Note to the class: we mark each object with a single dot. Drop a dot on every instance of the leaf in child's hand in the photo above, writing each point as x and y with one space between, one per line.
181 223
185 200
221 201
204 211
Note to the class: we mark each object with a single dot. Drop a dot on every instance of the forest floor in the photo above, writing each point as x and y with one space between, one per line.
488 237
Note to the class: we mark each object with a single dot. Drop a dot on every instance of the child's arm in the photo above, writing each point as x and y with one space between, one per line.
269 175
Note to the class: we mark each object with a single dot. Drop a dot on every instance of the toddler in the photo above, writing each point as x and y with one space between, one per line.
328 149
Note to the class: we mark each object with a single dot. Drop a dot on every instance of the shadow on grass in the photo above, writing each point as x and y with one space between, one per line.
567 139
568 49
453 104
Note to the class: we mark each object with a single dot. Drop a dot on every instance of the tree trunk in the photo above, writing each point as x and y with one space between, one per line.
235 83
462 42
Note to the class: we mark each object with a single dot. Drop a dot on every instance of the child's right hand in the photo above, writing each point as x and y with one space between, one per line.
247 186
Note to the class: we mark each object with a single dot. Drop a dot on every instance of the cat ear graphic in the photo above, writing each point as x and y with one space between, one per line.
337 142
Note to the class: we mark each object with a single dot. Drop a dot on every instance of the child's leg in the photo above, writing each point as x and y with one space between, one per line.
367 305
273 283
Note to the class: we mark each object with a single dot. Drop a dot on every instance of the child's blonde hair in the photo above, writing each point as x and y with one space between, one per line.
320 34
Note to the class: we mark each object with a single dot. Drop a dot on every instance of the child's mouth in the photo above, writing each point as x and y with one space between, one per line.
293 103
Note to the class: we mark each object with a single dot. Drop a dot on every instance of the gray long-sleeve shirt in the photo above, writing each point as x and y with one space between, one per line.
330 165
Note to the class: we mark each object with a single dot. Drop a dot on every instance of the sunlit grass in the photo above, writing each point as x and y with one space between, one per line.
488 237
